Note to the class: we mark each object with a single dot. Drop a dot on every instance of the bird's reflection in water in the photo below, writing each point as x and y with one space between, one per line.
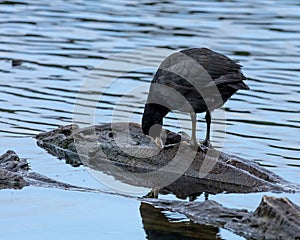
158 226
179 193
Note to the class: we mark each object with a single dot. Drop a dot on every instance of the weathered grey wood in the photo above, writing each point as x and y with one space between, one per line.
97 148
11 169
274 218
15 173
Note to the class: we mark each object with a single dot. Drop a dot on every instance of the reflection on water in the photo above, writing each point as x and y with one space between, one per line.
158 226
57 43
48 48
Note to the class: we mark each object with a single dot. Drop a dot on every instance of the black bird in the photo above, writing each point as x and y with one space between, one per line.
193 80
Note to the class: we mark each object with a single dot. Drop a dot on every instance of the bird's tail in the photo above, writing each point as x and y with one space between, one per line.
239 85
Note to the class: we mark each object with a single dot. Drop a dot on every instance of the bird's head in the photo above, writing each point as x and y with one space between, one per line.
152 127
153 119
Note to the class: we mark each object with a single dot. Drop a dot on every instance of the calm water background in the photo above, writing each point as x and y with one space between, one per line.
60 42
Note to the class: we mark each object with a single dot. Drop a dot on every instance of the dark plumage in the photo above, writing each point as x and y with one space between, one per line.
194 80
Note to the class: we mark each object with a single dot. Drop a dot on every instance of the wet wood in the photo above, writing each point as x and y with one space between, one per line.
123 151
274 218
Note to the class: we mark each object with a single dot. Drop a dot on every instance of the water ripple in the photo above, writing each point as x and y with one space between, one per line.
48 49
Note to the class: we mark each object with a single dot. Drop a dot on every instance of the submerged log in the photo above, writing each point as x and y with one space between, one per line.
124 152
134 161
15 173
11 171
159 226
274 218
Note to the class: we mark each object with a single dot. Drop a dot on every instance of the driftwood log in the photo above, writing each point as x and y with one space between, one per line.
274 218
117 151
122 151
15 173
12 169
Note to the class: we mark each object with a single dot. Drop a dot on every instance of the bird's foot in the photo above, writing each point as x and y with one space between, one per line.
206 195
202 145
203 148
206 143
153 193
197 145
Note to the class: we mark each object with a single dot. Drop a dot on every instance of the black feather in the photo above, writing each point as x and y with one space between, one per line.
203 78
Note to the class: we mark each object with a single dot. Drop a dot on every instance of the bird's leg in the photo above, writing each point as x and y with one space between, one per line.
153 193
194 123
206 195
206 141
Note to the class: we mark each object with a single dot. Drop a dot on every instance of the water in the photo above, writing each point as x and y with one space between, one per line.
59 43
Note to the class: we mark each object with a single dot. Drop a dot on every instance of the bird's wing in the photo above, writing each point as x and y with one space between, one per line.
198 68
217 65
228 78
